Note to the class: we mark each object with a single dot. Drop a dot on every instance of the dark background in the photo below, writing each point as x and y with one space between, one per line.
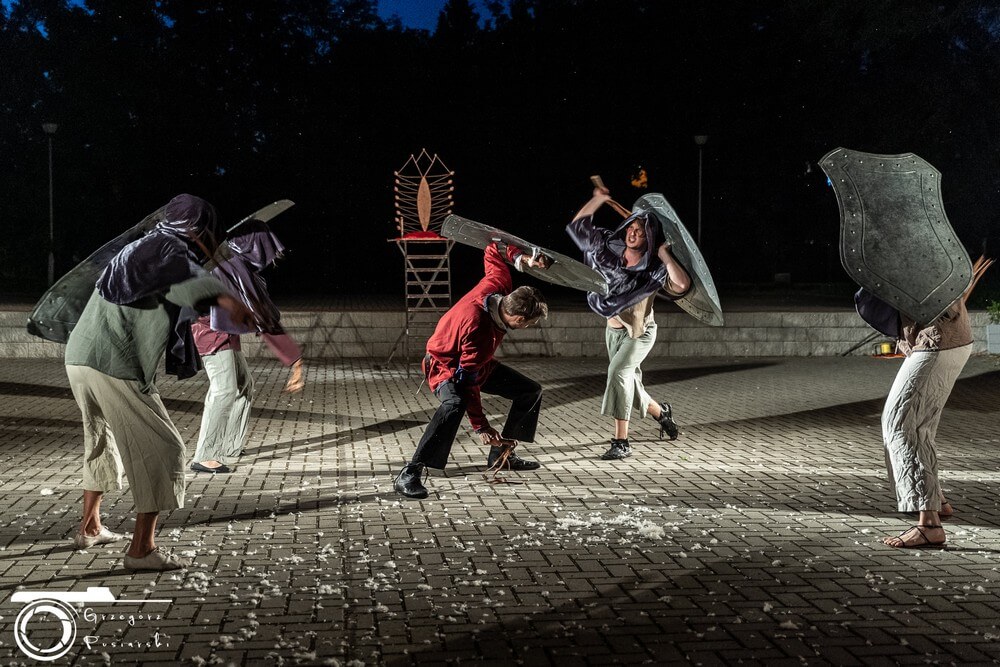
245 102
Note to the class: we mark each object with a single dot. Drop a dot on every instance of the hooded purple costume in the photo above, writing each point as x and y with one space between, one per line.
170 253
253 250
603 251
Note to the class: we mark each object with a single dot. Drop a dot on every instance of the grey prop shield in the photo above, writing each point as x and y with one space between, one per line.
702 300
563 271
59 309
895 239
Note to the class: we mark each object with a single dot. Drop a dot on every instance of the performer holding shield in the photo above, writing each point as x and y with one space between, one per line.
111 358
635 269
897 243
460 366
230 391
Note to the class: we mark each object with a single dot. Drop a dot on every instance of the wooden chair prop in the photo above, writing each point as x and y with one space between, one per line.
423 197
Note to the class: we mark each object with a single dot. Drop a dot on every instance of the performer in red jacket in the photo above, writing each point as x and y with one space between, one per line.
460 366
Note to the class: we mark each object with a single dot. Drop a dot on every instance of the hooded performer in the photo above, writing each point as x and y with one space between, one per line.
230 392
635 269
111 360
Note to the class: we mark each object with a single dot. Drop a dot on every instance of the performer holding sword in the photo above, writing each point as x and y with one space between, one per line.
635 269
460 366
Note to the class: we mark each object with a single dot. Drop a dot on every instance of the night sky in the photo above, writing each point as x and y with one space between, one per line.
421 14
247 103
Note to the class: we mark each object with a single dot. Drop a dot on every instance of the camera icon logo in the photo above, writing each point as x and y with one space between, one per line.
45 610
40 611
45 628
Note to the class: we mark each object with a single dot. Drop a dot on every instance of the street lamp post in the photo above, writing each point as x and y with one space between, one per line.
700 139
50 130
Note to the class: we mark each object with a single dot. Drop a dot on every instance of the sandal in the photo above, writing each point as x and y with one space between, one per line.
899 541
946 513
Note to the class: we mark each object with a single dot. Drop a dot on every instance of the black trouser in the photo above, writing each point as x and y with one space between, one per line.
526 394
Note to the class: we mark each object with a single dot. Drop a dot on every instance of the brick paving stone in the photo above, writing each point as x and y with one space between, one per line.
752 539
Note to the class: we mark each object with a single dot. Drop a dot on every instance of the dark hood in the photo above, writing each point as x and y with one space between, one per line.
616 242
168 254
256 245
194 220
254 248
603 250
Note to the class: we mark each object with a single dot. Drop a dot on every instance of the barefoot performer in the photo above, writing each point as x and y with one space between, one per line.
132 317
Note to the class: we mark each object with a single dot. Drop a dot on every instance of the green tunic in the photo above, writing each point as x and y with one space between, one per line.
126 342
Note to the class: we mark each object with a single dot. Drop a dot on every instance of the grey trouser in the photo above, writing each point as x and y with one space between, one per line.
624 388
128 433
910 421
227 407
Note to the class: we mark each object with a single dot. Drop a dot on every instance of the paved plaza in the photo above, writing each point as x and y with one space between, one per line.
753 539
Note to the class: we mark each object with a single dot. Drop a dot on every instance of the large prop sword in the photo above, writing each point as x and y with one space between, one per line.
563 270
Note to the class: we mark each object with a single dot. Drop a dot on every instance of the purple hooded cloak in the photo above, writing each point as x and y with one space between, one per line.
603 251
254 249
169 254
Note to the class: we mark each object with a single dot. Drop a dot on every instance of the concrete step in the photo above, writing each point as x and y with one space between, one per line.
371 334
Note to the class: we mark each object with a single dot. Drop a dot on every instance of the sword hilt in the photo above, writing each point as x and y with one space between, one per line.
599 183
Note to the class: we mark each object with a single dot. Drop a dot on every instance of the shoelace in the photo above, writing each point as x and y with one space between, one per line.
502 462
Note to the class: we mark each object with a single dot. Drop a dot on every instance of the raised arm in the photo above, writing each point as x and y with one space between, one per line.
582 230
601 196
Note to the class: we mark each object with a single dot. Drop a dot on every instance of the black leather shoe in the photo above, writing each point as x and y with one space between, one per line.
514 462
620 449
408 482
667 422
222 469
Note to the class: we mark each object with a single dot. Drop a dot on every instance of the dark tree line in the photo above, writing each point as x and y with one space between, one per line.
247 102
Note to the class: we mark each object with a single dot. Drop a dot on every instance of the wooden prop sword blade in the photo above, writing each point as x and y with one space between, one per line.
599 183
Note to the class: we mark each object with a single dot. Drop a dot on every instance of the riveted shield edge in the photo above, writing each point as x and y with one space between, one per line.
59 309
895 238
702 300
564 270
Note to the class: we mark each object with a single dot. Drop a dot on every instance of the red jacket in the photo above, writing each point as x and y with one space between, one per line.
466 337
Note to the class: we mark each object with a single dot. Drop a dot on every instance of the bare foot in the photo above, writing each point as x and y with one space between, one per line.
946 510
297 380
917 537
